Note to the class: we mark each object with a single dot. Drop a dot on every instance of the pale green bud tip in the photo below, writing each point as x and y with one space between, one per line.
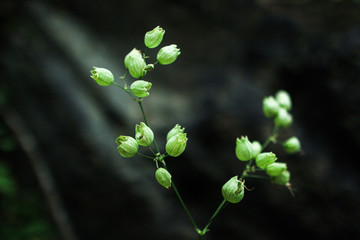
282 179
275 169
270 107
283 119
292 145
140 88
176 145
102 76
135 63
283 98
168 54
265 159
256 148
244 149
233 190
128 146
154 37
143 134
175 130
163 177
149 67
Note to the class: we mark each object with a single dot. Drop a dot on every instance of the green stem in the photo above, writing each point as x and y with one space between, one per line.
184 206
143 155
173 185
218 210
126 90
139 101
146 122
270 138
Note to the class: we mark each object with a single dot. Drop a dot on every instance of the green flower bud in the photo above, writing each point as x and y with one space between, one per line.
292 145
128 146
283 98
163 177
175 130
143 134
168 54
140 88
283 119
154 37
282 179
275 169
135 63
102 76
244 149
270 107
256 148
176 145
265 159
233 190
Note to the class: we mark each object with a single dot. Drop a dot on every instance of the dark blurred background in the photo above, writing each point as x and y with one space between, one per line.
61 176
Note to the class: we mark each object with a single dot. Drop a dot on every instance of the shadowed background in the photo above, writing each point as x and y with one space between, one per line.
61 176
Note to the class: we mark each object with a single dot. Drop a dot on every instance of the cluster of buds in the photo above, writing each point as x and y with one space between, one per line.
276 170
129 146
175 146
135 62
278 108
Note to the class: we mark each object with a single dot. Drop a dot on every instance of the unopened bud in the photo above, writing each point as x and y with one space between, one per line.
143 134
292 145
175 130
154 37
140 88
256 148
102 76
270 107
233 190
244 149
275 169
163 177
283 98
176 145
282 179
128 146
283 119
168 54
265 159
135 63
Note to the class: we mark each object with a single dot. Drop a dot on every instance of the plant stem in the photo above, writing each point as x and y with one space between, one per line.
220 207
143 155
126 90
270 138
146 122
173 184
139 101
184 206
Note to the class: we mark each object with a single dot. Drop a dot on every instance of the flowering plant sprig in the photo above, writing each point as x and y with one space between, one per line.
258 162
